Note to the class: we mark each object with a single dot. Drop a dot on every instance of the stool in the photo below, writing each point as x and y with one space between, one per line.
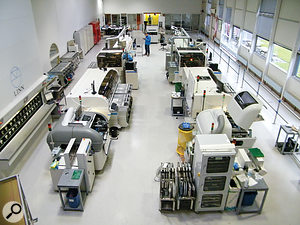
163 46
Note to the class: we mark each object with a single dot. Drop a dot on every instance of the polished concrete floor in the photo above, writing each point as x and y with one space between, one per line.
125 191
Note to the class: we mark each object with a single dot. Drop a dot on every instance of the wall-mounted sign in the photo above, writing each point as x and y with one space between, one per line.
16 80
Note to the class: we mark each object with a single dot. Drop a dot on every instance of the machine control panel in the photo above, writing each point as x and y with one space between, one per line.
14 125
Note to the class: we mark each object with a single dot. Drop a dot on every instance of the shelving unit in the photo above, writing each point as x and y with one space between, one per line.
288 144
167 187
186 188
72 57
64 71
68 181
256 206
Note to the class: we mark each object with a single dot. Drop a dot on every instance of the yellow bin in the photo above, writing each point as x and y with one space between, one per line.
185 134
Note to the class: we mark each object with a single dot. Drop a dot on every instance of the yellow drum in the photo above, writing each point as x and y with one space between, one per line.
185 134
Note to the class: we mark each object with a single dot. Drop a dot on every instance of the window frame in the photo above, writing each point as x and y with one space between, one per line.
273 63
255 51
220 23
232 35
297 66
242 43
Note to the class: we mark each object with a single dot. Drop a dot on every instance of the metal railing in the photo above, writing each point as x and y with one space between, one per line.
233 64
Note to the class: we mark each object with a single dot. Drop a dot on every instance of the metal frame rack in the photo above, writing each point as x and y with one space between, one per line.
167 187
186 188
290 142
67 181
64 71
72 57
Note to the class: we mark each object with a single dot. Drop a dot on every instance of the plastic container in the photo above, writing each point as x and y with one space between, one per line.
249 198
185 134
73 198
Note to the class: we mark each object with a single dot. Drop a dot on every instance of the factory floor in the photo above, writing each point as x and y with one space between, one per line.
125 191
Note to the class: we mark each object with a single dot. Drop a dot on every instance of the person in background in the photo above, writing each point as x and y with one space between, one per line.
147 44
149 19
145 26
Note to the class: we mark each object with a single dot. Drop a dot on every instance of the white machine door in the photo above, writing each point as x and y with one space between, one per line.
190 86
216 164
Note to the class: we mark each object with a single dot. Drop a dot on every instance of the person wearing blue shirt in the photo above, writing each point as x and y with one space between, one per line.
147 44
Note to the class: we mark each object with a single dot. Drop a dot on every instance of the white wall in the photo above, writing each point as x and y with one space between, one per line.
18 52
293 87
286 33
163 6
244 52
290 10
276 74
238 17
252 5
258 62
250 20
56 21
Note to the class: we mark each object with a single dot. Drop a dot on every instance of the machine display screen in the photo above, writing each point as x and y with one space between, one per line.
192 59
244 99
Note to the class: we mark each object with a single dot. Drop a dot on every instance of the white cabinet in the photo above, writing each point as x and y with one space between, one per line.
84 38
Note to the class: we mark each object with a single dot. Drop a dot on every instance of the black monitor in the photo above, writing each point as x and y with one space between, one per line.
244 99
213 66
220 84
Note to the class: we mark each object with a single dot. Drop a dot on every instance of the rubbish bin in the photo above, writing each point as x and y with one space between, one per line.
113 131
185 134
233 194
73 198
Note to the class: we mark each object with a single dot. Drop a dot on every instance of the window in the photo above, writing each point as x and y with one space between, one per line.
247 39
281 57
219 25
207 21
235 35
268 7
208 6
227 29
187 21
221 8
262 46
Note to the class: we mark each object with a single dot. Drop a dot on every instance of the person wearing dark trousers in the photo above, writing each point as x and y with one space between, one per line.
145 26
147 44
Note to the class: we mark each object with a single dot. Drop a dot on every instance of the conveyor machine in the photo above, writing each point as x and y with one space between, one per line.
242 111
78 125
186 57
101 92
204 90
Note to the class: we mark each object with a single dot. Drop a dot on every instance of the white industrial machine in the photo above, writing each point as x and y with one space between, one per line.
75 157
78 125
84 38
203 90
152 30
100 92
242 111
212 169
111 59
22 121
185 57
